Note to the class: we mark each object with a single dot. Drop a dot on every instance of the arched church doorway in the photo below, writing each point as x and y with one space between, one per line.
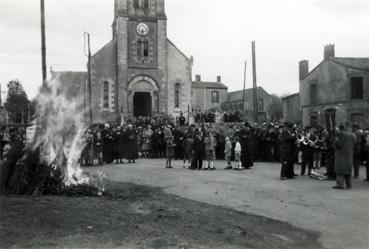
143 96
142 104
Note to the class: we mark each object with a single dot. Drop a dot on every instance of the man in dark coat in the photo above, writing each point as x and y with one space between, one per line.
357 150
270 140
178 138
329 145
344 156
245 138
131 142
287 147
198 150
119 144
220 145
107 147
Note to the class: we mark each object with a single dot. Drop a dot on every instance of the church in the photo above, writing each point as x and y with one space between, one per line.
140 72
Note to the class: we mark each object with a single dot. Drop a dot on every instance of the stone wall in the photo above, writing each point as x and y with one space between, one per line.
235 102
122 64
202 98
103 68
117 63
291 109
162 65
152 60
179 72
332 82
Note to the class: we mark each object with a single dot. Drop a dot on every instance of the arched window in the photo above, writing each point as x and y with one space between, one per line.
106 95
177 95
142 49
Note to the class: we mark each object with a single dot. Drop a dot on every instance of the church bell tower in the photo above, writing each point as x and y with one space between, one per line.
140 31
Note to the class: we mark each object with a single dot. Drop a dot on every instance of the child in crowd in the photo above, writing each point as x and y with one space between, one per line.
170 152
237 155
228 152
209 151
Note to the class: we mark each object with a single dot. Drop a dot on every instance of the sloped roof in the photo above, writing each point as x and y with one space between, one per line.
101 50
208 85
349 62
180 51
355 63
238 95
290 96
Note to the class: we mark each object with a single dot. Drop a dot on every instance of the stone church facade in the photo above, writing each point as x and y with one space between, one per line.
140 72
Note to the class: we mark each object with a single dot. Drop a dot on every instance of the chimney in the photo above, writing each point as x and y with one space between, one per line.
303 69
219 79
198 78
329 51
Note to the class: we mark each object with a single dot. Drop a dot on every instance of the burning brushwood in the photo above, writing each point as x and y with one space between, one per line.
50 162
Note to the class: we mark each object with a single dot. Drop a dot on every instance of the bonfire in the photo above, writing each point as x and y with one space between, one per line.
50 163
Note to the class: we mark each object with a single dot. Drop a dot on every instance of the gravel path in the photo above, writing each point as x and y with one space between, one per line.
342 217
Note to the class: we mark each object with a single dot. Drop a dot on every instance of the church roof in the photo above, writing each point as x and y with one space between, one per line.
180 51
208 85
238 95
354 63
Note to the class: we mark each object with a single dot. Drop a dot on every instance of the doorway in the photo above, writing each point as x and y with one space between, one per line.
142 104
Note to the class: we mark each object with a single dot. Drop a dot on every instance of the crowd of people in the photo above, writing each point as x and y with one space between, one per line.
211 117
238 144
199 144
11 136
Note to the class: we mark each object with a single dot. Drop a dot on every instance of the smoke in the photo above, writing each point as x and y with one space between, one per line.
60 131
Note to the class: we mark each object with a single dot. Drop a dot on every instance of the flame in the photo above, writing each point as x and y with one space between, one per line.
60 131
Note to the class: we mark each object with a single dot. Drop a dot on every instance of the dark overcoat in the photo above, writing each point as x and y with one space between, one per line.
344 155
131 142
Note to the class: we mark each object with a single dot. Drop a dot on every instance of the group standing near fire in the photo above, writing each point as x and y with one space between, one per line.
239 144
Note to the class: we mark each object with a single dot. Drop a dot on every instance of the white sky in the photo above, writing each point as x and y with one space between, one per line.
218 33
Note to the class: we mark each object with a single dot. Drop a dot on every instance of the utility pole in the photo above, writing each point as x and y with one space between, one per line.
255 86
43 44
87 35
244 89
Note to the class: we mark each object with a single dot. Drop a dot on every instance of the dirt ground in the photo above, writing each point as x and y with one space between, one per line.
340 217
139 217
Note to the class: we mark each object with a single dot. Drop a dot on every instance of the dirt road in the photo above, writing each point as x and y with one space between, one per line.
342 217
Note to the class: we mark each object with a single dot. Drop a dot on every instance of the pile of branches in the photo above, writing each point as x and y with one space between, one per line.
27 174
